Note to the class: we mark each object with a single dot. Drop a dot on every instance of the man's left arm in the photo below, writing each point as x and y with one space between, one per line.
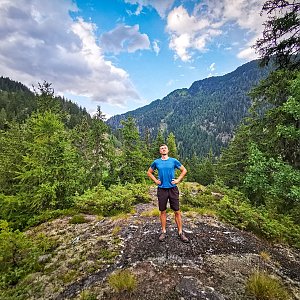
182 174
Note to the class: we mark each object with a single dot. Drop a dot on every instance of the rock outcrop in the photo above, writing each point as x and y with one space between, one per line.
214 265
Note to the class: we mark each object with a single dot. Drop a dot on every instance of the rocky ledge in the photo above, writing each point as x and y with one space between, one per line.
215 264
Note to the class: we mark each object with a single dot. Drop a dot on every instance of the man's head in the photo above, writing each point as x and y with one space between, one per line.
163 150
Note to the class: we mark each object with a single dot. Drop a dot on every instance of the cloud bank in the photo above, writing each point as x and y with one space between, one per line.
42 42
190 32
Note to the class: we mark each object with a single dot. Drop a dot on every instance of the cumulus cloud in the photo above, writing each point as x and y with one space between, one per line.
161 6
125 38
42 42
193 32
188 32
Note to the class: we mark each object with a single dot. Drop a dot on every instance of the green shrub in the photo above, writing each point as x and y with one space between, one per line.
122 280
14 210
18 255
78 219
86 295
48 215
264 287
106 202
140 192
237 210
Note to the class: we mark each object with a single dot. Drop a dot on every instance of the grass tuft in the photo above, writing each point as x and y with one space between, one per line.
151 213
78 219
122 280
265 256
264 287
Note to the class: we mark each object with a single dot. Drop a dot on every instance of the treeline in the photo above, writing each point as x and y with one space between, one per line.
17 103
45 162
263 160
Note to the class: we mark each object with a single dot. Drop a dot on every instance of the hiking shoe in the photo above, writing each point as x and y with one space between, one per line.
162 237
183 238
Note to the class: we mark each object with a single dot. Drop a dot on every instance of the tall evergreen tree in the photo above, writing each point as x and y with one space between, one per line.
51 171
157 142
172 145
99 143
281 35
133 163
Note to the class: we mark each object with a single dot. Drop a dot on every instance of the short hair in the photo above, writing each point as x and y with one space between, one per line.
163 145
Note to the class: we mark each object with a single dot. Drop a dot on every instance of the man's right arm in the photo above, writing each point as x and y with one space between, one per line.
150 174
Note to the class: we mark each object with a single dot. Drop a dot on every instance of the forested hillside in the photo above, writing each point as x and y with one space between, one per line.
17 103
202 117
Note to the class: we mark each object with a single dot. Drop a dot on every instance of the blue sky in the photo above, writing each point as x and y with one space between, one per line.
123 54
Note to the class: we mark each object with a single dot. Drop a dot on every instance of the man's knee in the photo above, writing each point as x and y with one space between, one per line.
177 213
163 212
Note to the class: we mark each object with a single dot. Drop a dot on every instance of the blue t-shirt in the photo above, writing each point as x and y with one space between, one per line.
166 171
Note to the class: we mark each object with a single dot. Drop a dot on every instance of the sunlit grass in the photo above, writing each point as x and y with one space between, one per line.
116 230
194 211
123 216
122 280
265 256
78 219
265 287
151 213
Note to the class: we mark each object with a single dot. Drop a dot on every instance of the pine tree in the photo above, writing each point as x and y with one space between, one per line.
281 39
51 171
172 145
99 145
133 163
157 143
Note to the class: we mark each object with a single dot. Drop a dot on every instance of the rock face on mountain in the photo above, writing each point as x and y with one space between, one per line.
214 265
202 117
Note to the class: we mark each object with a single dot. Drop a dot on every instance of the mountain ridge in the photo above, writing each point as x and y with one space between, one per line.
203 116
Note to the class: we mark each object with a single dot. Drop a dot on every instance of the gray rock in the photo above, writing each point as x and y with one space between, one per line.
190 288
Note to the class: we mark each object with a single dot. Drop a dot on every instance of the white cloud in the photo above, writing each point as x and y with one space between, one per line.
156 46
161 6
124 38
188 32
42 42
212 67
193 32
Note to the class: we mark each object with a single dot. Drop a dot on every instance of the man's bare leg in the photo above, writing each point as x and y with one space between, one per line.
178 221
163 220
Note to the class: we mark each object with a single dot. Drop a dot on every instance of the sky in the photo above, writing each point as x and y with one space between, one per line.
124 54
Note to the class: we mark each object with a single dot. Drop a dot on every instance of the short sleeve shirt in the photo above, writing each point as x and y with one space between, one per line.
166 171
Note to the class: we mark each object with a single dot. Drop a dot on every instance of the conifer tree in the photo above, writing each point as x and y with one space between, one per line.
172 145
133 163
158 141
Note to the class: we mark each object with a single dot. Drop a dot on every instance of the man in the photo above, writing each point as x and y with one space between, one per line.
167 189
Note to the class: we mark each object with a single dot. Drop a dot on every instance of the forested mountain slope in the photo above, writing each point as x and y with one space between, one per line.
203 116
17 102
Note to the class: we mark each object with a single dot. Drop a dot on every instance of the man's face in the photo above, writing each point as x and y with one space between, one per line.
163 150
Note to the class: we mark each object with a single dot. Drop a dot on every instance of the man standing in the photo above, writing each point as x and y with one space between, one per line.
167 189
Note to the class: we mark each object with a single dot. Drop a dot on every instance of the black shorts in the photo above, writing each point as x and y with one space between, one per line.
171 194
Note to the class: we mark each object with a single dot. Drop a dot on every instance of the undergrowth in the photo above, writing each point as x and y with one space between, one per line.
234 208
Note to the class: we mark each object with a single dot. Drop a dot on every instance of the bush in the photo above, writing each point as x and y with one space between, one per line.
264 287
140 192
78 219
107 202
237 210
18 255
122 281
15 211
